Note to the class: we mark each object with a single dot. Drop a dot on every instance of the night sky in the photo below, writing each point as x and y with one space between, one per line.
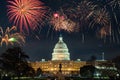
38 49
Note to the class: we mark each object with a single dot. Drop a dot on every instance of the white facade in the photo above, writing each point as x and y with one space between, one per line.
60 51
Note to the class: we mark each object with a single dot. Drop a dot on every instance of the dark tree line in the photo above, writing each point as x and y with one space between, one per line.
14 62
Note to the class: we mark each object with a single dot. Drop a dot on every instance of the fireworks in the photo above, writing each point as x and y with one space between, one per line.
115 3
60 22
10 38
81 11
85 9
100 17
104 31
27 14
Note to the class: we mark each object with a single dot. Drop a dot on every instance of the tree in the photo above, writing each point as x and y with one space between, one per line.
93 58
14 61
116 60
87 71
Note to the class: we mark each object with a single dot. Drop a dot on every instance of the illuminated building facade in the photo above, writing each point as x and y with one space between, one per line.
68 67
61 56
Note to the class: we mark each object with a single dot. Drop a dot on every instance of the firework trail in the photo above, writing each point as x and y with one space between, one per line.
114 11
9 37
27 14
115 3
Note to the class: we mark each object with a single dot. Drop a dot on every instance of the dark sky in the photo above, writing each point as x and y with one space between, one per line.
43 48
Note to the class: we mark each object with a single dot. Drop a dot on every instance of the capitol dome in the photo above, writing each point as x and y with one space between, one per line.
60 51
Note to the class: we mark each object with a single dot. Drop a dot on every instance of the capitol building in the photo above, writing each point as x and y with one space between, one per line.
61 56
60 51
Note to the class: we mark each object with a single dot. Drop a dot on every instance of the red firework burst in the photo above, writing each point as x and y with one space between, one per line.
61 22
27 14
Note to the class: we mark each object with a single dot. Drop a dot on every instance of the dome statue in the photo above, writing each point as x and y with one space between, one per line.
60 51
